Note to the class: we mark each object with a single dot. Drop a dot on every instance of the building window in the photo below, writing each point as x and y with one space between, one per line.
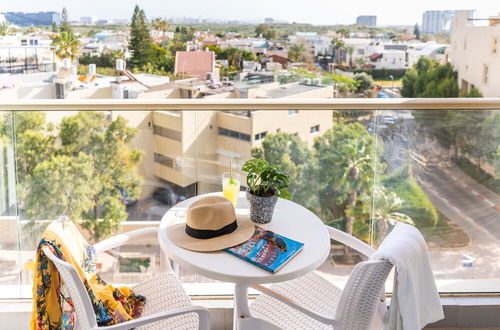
260 136
233 134
315 129
164 160
293 112
167 132
485 74
494 46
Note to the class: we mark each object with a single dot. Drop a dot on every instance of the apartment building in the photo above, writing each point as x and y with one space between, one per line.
212 139
437 21
475 54
367 20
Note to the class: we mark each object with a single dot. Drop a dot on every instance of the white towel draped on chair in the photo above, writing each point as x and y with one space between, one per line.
415 299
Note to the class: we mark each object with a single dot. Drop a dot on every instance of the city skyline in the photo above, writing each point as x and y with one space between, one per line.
320 12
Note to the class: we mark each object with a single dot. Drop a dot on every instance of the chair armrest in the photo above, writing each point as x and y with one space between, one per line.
350 241
203 317
317 316
120 239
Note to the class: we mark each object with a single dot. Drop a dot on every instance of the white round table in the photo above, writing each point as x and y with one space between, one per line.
289 219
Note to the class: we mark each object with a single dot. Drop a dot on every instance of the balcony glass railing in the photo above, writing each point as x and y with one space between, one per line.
121 166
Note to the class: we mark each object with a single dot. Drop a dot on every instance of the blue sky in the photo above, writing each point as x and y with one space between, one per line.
389 12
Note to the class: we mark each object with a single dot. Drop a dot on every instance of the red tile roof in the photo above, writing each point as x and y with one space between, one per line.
195 63
375 56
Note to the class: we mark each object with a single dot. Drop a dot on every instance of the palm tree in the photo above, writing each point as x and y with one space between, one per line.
234 57
4 29
382 209
296 52
350 51
355 170
160 24
338 46
344 32
67 45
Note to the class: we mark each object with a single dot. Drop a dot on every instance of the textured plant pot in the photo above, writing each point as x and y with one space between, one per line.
261 208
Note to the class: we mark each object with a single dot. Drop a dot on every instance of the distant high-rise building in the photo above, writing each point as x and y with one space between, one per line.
45 18
437 21
268 20
368 20
88 19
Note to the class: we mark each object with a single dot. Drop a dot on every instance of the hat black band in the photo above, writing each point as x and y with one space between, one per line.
206 233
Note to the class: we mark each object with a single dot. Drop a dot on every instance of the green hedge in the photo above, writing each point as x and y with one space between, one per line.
478 174
416 204
383 74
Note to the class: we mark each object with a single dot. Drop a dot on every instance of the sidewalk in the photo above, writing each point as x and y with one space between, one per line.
490 198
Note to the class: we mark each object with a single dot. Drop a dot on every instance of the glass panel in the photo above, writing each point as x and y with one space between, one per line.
11 268
442 175
361 171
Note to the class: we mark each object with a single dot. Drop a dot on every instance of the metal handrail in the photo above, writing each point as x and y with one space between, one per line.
251 104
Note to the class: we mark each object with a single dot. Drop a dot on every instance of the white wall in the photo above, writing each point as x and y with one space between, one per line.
472 50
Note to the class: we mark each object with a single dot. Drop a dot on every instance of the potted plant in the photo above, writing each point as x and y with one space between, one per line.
265 184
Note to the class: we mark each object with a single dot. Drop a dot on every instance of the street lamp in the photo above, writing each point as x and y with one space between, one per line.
392 81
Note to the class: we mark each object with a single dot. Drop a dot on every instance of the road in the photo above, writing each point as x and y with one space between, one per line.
461 199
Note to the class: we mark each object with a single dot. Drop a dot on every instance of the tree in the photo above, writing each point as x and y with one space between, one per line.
265 31
350 52
55 28
338 46
416 31
160 24
344 32
114 164
4 29
364 82
82 172
383 209
60 186
65 26
67 45
292 156
346 163
140 40
296 52
428 78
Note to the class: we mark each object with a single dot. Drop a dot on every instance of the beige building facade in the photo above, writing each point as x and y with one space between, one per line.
475 53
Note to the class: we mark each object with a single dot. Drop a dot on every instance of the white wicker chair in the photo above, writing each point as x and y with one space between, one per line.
167 305
312 302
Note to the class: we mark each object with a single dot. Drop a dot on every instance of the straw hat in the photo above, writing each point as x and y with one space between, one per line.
211 225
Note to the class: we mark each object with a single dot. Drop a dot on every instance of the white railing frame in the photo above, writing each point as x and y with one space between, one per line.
251 104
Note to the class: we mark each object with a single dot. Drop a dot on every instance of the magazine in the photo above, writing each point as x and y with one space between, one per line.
267 250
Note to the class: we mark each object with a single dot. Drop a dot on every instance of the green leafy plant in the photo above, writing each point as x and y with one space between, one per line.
265 180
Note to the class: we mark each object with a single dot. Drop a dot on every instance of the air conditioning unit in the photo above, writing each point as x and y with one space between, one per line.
306 81
316 81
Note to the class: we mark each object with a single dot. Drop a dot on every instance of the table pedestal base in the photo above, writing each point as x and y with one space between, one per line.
242 320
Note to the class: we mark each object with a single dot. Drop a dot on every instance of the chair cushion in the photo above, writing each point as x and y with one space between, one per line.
311 291
164 292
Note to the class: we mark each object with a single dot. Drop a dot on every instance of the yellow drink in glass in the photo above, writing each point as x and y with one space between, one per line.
231 186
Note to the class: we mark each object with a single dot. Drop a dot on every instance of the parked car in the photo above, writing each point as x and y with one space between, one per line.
124 197
167 196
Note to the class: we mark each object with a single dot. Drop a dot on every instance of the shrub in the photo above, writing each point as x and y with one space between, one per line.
416 204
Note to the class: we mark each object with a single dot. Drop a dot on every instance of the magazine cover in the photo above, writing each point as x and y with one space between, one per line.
267 250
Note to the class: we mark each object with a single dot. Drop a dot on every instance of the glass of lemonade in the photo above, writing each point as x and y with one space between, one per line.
231 186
